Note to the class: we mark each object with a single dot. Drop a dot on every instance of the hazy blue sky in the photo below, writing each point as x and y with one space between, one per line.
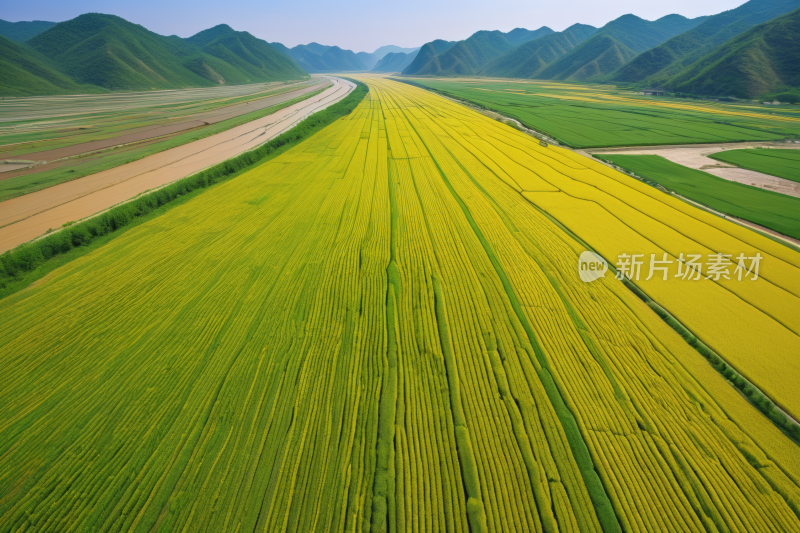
358 25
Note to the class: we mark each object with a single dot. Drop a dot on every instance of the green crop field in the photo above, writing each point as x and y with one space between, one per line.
591 116
782 163
770 209
383 328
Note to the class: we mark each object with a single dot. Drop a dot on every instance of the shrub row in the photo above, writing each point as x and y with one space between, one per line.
750 391
757 398
15 263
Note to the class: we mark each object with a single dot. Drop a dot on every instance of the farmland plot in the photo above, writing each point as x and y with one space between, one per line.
379 331
782 163
767 208
585 116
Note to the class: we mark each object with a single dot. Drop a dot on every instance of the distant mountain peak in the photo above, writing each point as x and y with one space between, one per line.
23 30
655 66
673 16
106 52
221 28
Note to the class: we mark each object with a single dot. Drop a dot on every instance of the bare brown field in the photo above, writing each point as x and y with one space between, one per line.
28 217
151 132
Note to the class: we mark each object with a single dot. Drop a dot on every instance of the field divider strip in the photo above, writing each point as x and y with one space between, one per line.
754 395
476 512
384 513
603 506
21 265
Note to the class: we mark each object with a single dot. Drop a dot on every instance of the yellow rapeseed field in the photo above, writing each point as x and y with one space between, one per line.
383 329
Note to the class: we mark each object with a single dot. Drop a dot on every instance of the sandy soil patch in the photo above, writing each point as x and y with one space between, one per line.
8 167
696 157
27 217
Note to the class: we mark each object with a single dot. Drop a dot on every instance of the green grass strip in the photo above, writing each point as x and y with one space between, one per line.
384 512
753 394
770 209
31 261
597 493
476 512
782 163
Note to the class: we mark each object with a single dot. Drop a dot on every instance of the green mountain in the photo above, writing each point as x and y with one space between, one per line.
252 59
394 62
28 73
381 52
517 36
428 53
316 48
466 57
655 66
308 60
281 48
597 56
530 59
24 30
339 59
614 45
764 59
111 53
315 57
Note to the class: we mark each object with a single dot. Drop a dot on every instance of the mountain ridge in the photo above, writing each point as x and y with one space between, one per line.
655 66
23 30
98 52
28 73
315 57
530 58
394 62
760 61
615 44
466 57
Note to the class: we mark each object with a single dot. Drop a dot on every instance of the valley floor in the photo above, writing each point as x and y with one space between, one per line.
383 329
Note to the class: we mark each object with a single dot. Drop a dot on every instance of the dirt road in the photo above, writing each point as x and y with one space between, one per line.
696 157
27 217
199 120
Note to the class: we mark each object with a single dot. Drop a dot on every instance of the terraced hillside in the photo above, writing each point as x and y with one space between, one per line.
383 329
